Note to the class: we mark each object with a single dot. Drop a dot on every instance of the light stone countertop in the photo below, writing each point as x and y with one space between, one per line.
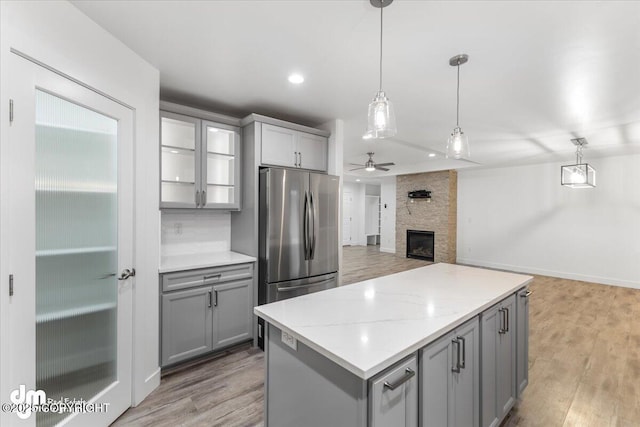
368 326
194 261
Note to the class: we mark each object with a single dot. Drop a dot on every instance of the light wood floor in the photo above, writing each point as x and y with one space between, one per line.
584 367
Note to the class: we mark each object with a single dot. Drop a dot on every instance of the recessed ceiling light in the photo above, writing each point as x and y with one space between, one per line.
296 78
432 154
357 180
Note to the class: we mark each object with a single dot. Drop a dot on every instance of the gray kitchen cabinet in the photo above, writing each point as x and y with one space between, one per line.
232 312
449 379
205 310
199 163
522 349
393 396
292 148
186 324
498 356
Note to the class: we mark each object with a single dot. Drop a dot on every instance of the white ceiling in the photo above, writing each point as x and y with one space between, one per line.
539 73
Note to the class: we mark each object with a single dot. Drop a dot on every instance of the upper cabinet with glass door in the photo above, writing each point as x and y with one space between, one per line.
200 163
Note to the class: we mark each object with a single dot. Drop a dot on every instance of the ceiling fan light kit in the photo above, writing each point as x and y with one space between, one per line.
371 166
458 143
381 119
579 175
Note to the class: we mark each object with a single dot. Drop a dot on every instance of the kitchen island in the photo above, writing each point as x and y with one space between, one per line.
399 350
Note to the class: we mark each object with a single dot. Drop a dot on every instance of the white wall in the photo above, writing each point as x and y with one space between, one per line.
522 219
60 36
388 215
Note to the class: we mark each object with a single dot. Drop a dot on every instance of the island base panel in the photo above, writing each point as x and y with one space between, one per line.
304 388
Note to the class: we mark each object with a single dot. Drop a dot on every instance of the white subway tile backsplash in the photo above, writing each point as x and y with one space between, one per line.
185 232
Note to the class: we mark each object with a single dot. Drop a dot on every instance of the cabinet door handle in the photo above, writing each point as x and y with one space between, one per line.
209 298
506 316
527 294
456 367
197 198
295 158
501 329
204 198
408 374
464 352
215 300
299 159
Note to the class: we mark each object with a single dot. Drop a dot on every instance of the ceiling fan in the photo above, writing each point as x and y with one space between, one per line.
371 166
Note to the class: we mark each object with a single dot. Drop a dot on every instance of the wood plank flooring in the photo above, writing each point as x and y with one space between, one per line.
584 361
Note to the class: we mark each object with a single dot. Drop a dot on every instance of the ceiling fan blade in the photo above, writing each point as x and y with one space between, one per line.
385 164
378 168
356 164
356 169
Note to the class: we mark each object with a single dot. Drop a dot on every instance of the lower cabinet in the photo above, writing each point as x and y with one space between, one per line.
449 379
186 324
232 313
200 319
522 334
498 356
393 397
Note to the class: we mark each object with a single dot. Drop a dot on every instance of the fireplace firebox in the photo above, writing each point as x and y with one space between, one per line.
420 244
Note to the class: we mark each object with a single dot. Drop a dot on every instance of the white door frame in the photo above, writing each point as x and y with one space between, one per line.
347 212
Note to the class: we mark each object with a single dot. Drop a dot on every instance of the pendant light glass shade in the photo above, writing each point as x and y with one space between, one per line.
458 145
381 119
580 175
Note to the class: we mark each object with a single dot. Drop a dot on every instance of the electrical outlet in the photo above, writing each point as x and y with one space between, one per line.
177 228
290 341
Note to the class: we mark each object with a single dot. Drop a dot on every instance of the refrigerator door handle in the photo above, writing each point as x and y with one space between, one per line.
312 249
305 226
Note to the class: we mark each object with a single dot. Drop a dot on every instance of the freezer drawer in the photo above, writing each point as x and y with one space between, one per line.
293 288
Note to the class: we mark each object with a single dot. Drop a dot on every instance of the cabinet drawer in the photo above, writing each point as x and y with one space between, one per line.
393 396
205 276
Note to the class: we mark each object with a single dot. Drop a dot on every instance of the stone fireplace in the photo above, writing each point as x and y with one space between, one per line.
438 214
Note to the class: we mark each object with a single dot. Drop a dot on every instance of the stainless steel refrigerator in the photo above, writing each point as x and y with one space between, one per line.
298 226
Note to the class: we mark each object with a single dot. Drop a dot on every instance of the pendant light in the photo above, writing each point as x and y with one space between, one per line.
580 175
458 143
381 119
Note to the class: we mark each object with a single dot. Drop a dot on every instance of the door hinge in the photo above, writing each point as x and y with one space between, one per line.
10 111
11 285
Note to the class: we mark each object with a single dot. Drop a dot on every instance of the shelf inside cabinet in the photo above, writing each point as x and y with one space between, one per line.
170 181
88 188
74 251
74 312
230 156
172 149
52 126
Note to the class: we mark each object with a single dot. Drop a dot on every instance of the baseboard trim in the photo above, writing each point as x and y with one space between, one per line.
143 390
388 250
544 272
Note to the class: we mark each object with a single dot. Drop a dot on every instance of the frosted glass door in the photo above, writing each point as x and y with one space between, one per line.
76 186
179 135
67 226
220 166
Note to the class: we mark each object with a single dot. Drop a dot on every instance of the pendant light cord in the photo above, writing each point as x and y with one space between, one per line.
381 9
458 98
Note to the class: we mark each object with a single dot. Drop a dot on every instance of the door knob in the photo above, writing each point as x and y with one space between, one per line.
126 273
